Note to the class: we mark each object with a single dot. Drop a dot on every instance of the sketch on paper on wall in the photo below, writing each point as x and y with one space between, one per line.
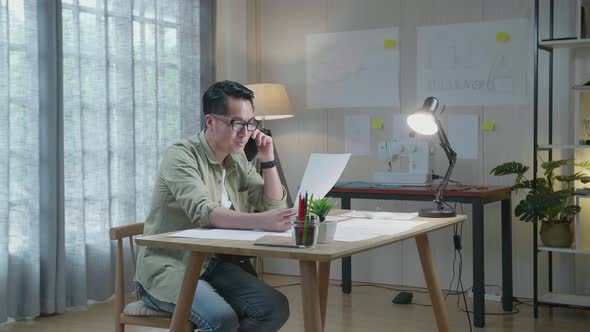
483 63
352 69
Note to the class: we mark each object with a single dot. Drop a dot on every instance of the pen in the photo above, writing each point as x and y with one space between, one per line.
280 245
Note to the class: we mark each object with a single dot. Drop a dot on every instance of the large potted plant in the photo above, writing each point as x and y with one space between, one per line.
549 199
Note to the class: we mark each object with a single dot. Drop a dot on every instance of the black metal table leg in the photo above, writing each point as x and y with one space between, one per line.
346 275
346 261
507 255
478 265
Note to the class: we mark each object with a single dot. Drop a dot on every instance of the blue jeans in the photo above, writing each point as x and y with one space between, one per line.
230 299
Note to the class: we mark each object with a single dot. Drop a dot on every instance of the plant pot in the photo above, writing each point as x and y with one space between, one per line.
326 231
557 235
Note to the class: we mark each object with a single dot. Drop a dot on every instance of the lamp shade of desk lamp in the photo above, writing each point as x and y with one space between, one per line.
271 102
425 121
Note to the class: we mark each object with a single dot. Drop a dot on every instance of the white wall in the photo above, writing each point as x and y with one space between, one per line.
231 40
283 27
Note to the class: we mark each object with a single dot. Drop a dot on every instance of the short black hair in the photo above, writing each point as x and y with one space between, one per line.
215 98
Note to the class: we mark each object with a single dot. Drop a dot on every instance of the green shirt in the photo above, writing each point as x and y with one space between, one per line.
187 188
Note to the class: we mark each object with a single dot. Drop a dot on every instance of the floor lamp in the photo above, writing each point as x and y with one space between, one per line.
271 102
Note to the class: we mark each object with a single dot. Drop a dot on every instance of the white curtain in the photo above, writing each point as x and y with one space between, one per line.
131 87
19 159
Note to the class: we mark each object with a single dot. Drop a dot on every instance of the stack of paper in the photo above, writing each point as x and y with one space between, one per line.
364 229
381 215
356 229
225 234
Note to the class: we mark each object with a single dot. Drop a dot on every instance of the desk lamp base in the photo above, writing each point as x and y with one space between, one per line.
437 213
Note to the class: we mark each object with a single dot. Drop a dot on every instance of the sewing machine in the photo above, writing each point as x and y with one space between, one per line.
417 170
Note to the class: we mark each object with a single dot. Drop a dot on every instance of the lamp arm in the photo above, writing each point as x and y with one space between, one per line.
451 156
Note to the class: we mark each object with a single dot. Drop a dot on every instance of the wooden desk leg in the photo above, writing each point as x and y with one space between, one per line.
323 279
440 311
187 293
310 298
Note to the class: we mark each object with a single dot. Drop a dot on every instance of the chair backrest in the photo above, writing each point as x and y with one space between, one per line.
119 233
126 231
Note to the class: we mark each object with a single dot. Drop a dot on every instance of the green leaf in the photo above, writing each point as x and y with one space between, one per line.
539 206
566 178
528 184
508 168
321 207
573 177
551 165
554 164
584 164
571 210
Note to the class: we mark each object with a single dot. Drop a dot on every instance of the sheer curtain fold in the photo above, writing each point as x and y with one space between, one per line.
131 87
122 109
19 166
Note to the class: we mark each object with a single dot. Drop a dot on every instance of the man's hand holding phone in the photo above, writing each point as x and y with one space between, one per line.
265 146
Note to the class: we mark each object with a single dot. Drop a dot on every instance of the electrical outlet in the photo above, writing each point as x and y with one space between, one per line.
491 294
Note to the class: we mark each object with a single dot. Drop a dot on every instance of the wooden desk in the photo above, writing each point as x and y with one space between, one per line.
314 264
477 198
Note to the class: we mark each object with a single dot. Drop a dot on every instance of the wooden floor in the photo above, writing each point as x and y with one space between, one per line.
366 309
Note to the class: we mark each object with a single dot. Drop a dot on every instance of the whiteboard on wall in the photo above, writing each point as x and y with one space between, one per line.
484 63
352 69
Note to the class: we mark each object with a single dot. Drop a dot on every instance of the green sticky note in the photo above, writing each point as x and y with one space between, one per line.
502 37
377 123
488 125
389 43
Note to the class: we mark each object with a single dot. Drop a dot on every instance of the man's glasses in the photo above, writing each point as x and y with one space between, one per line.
238 125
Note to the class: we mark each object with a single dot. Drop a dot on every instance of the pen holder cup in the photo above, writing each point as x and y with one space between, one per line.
305 233
326 231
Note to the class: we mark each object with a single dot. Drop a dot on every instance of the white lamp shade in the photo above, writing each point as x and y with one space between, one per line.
423 123
271 101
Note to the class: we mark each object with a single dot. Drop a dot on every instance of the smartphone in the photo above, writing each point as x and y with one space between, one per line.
251 149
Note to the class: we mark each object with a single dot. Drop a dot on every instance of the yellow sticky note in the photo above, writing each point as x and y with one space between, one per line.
377 123
389 43
488 125
502 37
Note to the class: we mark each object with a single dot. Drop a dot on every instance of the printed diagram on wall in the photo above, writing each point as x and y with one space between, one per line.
352 69
484 63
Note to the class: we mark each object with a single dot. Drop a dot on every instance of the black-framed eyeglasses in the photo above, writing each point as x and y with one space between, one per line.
238 125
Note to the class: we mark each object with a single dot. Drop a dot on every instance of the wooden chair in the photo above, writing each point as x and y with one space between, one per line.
134 313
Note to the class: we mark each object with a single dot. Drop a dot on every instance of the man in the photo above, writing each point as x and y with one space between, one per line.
206 181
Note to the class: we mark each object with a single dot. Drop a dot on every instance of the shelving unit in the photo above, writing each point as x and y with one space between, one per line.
562 147
579 247
567 43
565 300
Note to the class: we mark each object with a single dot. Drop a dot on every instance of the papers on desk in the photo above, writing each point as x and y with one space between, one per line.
225 234
381 215
336 218
356 229
364 229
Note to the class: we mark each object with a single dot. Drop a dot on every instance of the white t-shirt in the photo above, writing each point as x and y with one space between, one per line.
225 202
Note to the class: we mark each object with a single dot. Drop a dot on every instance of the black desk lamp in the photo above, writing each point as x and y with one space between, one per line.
425 121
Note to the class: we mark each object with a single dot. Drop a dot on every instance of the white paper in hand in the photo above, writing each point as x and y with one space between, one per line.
322 173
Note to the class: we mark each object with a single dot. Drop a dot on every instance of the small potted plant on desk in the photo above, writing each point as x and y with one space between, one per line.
549 199
321 208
